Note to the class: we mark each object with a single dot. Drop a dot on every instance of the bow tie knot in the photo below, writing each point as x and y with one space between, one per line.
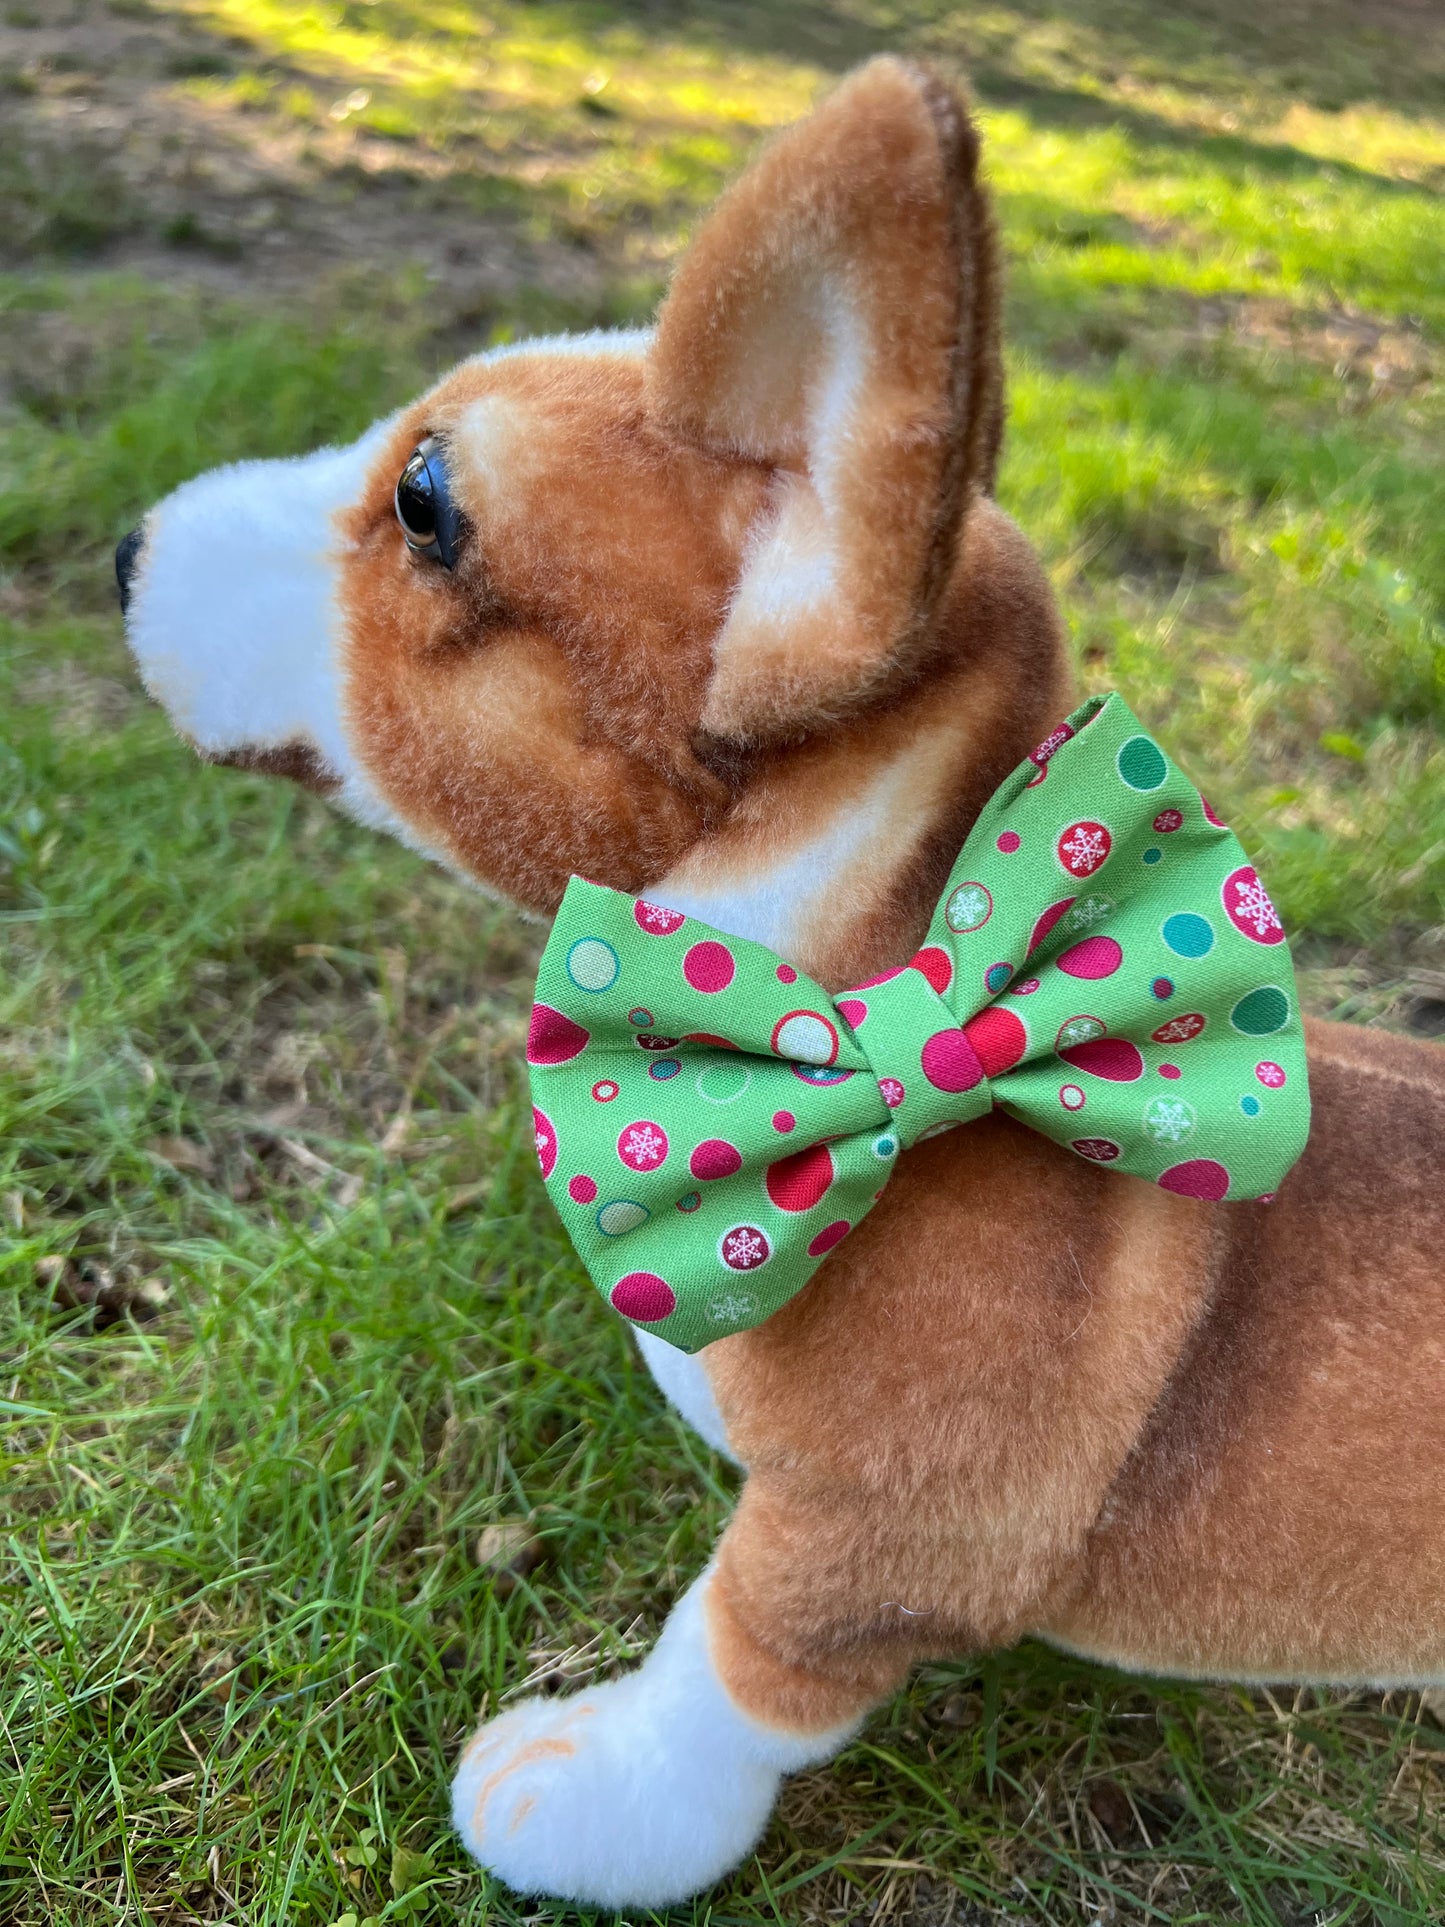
1104 965
927 1067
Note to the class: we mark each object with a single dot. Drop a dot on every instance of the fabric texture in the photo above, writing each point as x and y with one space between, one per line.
1104 965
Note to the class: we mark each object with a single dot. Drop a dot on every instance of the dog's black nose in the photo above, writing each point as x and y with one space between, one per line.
125 559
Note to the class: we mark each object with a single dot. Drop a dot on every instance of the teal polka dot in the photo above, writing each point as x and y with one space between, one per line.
1141 764
663 1068
689 1201
997 975
1250 1106
1261 1012
1187 934
885 1147
1152 855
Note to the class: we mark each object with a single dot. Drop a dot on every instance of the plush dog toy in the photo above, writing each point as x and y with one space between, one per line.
722 617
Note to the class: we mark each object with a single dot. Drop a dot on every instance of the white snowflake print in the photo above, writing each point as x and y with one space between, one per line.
1088 911
1178 1030
1270 1074
744 1248
543 1141
642 1146
1169 1120
969 907
732 1308
1252 905
1078 1030
1085 846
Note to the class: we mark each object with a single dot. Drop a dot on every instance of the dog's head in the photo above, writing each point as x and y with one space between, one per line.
569 610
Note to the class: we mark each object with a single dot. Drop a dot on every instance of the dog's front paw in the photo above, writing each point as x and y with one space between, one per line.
616 1797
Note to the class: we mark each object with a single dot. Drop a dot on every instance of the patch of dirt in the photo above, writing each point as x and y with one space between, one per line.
106 152
1364 351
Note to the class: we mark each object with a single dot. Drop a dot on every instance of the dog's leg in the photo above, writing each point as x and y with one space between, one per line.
642 1791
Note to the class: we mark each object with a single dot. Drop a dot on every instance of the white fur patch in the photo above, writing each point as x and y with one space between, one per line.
633 1794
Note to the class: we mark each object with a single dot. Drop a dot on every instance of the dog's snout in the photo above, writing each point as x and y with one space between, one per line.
126 554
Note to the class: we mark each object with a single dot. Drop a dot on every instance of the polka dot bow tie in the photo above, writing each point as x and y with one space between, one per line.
1104 965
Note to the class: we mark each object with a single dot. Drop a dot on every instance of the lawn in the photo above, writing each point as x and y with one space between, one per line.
314 1440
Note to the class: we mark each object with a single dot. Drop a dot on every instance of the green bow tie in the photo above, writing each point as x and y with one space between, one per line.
1104 965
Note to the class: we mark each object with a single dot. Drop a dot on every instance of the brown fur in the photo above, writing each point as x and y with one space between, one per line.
1027 1395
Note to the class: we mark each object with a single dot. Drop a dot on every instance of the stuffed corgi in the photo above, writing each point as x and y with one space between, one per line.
723 616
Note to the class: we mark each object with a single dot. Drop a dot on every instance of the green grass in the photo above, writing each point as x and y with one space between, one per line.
287 1321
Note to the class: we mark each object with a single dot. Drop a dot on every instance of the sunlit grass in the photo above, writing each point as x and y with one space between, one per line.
245 1628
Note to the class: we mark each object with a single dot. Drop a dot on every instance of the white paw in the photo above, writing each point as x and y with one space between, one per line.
637 1793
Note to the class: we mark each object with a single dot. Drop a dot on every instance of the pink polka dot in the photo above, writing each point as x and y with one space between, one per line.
786 974
799 1182
1024 989
1169 1070
830 1235
581 1189
715 1158
1113 1058
709 966
1219 824
892 1092
1271 1074
950 1062
643 1296
552 1037
1009 841
1196 1178
852 1010
709 1037
1047 921
1094 957
936 965
784 1121
998 1037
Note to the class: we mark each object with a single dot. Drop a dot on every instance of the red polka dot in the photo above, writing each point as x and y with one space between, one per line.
892 1091
1009 841
1098 1150
644 1296
950 1063
709 1037
936 965
1113 1058
1219 824
656 919
998 1037
1167 821
1055 740
552 1037
1094 957
715 1158
1169 1070
546 1141
1196 1178
581 1189
709 966
786 974
784 1121
1084 847
801 1181
1047 921
852 1010
1248 907
830 1235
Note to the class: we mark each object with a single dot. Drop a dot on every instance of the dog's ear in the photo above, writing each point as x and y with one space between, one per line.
836 319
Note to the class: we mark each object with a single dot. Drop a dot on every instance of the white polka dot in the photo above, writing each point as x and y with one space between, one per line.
806 1039
592 964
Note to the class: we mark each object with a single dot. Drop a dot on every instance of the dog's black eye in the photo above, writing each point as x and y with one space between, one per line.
424 505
